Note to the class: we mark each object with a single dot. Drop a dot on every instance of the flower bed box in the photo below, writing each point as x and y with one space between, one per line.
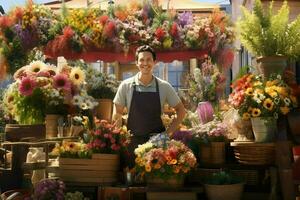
102 168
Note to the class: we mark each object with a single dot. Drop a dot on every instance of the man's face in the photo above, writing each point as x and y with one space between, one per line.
145 63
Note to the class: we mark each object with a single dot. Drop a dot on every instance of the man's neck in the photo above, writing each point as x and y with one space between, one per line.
145 79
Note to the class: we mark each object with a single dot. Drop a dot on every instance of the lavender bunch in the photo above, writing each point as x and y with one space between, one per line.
27 37
184 136
49 189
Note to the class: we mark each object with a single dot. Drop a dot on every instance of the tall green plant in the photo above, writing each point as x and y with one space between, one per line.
265 33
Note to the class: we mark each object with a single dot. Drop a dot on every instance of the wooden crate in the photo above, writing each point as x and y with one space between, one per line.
102 168
171 195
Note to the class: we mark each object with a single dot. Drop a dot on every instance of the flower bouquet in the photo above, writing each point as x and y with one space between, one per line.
106 138
164 159
262 101
70 149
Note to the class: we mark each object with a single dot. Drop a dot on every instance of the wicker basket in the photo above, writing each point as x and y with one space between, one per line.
251 153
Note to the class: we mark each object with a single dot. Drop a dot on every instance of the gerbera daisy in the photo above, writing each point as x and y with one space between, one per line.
256 112
268 104
27 86
61 81
77 76
36 66
249 91
284 110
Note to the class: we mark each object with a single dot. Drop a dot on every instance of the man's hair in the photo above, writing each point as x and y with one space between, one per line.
145 48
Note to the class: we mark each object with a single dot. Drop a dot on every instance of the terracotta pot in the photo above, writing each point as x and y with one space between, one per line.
104 109
271 64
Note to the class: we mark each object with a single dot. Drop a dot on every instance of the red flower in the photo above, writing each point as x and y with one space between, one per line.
225 58
103 19
5 22
160 33
68 32
174 30
109 29
18 13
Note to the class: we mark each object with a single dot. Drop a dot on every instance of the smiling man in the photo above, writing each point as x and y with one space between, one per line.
144 96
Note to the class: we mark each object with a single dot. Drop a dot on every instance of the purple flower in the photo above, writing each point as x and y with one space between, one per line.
183 136
27 37
185 18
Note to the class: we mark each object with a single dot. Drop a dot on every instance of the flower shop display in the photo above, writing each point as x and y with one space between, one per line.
212 137
118 30
98 160
271 37
49 189
205 84
164 161
205 112
225 186
41 89
262 100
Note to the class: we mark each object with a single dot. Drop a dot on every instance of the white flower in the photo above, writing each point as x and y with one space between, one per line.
287 101
77 100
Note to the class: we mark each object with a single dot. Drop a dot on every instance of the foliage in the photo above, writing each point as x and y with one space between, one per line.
106 138
223 178
3 119
164 158
254 97
264 33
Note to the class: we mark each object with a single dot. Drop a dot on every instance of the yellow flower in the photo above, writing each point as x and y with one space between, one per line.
294 99
168 158
148 168
157 166
246 116
249 91
259 91
268 104
173 161
77 76
285 110
256 112
167 43
269 83
176 169
257 83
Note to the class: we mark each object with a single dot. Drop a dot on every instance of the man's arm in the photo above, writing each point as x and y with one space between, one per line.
117 115
180 111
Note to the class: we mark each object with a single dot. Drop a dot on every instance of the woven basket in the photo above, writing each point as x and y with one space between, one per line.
251 153
214 153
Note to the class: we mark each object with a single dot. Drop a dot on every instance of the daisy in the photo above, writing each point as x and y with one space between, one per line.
36 66
77 76
61 81
27 86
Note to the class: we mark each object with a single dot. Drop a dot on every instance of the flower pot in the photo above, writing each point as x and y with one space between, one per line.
264 129
172 182
271 64
51 122
104 109
214 153
224 192
15 132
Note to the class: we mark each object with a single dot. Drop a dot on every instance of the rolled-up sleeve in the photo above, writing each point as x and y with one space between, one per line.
120 98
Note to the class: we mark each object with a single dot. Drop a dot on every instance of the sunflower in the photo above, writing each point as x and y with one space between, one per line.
268 104
77 76
246 116
249 91
148 168
256 112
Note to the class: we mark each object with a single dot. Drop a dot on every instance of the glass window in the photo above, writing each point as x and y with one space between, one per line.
177 70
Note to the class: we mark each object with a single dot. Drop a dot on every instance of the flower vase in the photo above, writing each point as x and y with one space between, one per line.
171 182
51 122
104 109
264 129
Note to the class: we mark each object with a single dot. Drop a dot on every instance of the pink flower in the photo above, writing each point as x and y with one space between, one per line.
115 147
43 74
98 132
27 86
112 140
62 81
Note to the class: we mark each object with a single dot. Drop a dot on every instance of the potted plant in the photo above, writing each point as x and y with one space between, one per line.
270 37
224 186
164 162
102 87
212 137
262 101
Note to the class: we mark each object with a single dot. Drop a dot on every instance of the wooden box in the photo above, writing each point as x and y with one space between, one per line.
102 168
120 193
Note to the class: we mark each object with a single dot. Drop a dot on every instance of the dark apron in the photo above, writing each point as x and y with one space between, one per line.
144 118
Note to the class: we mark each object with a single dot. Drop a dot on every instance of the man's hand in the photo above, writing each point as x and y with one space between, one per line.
117 115
180 111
